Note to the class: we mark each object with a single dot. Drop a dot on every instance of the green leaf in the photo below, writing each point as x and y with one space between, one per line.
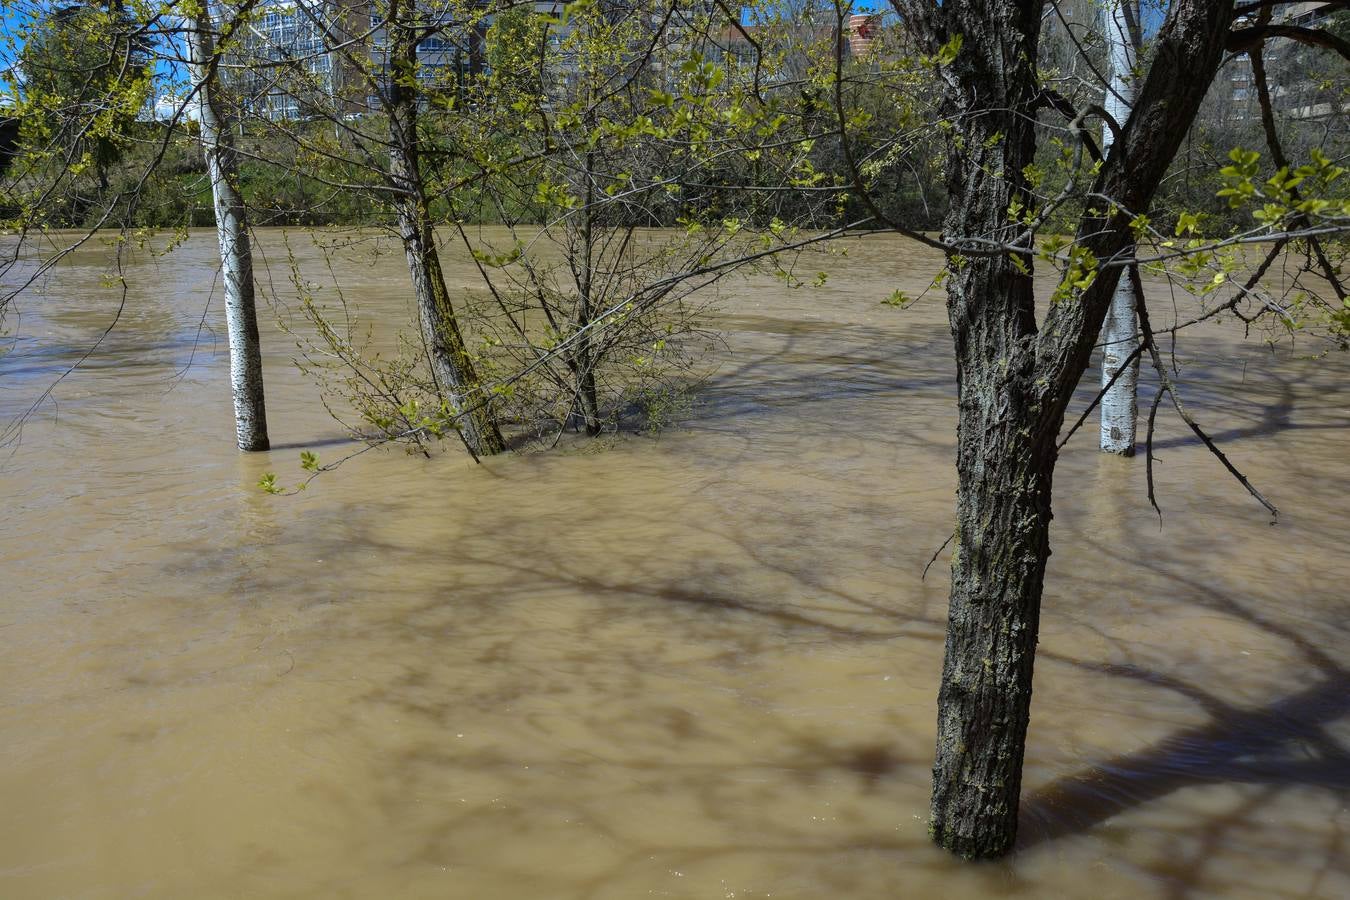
1187 223
946 54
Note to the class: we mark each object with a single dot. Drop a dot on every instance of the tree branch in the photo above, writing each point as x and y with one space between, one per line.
1167 385
1245 39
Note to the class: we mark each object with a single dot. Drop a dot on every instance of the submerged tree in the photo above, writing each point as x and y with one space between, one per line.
584 130
586 298
451 365
1120 329
1017 370
236 252
363 111
87 104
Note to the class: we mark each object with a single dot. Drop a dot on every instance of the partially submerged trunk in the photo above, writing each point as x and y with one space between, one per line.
1015 379
1120 330
236 256
451 366
1004 471
588 397
582 358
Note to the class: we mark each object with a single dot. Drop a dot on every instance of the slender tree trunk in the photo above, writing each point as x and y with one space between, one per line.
1120 329
451 366
584 362
236 256
1005 458
590 405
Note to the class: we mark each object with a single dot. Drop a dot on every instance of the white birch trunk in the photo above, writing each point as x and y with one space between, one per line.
1120 330
236 256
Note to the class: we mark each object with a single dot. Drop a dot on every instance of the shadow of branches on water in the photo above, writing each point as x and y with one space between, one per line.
1270 747
567 620
1260 746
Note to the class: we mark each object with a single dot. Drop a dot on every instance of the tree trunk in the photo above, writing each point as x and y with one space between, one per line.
1015 381
1120 329
451 366
1005 457
583 359
1003 543
236 256
590 402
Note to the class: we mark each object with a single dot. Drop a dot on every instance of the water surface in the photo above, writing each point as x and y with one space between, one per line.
697 665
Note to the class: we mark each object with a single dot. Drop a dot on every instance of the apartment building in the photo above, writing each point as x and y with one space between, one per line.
301 56
298 57
1296 82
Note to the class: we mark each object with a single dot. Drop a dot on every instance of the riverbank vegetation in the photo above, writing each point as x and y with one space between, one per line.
157 158
751 134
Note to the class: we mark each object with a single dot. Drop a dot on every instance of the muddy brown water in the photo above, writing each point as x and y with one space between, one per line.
700 665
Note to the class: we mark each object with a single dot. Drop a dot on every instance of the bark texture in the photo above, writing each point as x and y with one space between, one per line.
1015 379
1004 460
236 255
451 366
1120 330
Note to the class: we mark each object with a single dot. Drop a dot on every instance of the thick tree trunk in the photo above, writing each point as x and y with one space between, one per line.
451 366
1120 329
236 256
1015 381
1005 458
1003 541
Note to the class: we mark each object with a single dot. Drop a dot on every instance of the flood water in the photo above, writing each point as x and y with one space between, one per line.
697 665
